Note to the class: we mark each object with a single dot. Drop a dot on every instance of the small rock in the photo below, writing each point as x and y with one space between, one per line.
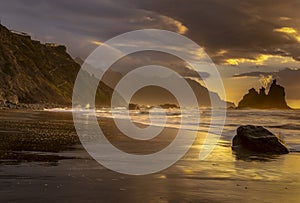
2 98
13 99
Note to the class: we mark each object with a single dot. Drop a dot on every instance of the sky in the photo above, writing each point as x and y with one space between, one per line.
250 41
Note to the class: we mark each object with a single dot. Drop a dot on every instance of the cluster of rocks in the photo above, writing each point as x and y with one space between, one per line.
9 100
133 106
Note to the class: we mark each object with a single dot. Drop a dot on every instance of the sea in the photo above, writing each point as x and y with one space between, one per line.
283 123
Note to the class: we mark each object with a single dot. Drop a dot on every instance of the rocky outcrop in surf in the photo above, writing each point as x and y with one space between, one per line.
275 99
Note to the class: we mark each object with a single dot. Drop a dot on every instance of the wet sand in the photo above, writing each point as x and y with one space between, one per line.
42 160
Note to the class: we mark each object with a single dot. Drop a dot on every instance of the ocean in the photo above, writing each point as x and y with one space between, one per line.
283 123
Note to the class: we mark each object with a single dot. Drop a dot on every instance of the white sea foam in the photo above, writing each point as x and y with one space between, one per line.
284 123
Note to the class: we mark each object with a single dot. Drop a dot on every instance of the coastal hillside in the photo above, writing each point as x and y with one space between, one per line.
44 74
154 95
35 73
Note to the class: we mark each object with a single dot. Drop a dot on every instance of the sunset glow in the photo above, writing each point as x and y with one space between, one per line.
150 101
290 31
260 60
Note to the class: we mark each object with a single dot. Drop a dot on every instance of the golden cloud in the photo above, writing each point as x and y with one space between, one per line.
98 43
289 31
180 28
221 52
259 61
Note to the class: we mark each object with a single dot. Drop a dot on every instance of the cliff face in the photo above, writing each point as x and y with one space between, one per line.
31 72
274 99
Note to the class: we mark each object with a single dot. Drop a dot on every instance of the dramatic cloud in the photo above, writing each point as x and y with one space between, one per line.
80 24
231 31
245 29
240 36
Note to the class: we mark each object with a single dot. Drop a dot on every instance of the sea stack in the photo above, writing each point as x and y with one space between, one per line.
275 99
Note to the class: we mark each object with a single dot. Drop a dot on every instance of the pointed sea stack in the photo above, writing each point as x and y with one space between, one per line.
275 99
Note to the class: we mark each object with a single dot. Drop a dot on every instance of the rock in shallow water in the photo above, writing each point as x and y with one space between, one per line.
258 139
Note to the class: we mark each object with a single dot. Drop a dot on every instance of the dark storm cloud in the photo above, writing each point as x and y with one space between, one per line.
244 28
253 74
76 23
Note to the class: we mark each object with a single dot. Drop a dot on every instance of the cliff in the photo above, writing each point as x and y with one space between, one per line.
275 99
35 73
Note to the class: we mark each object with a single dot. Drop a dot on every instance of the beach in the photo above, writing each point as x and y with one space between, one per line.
42 160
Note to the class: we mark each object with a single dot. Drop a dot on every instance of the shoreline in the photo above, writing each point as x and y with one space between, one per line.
42 106
25 106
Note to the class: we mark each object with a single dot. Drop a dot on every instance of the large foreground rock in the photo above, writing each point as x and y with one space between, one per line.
258 139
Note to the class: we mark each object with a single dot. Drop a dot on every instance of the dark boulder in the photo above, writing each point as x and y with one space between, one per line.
258 139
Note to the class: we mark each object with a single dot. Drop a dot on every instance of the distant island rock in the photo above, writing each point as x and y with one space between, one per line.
258 139
275 99
132 106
